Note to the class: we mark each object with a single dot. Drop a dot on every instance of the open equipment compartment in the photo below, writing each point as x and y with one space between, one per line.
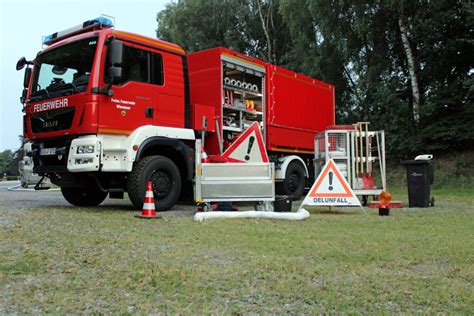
243 95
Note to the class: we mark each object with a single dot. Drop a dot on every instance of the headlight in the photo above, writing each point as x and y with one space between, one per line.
85 149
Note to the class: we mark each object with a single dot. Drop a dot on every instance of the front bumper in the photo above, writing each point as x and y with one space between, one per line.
61 155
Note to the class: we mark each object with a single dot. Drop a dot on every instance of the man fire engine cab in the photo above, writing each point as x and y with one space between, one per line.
78 89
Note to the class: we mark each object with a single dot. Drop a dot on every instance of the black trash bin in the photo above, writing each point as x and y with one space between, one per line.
420 176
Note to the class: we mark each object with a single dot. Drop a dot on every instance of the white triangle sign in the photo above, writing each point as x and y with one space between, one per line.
331 189
248 147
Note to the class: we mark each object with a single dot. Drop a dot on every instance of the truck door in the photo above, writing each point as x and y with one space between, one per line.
132 99
151 92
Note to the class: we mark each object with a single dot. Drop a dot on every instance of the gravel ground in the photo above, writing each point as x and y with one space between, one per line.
20 200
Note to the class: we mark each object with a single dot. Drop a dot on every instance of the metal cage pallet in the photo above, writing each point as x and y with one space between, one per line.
358 153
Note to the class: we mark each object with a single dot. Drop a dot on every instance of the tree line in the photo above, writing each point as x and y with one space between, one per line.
9 160
8 163
406 66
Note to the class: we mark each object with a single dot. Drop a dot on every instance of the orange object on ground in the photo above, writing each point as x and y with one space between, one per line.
385 203
149 210
385 197
379 204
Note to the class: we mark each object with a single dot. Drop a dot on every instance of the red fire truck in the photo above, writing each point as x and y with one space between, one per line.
106 111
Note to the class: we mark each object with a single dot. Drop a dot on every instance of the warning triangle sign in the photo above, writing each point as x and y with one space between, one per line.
248 147
331 189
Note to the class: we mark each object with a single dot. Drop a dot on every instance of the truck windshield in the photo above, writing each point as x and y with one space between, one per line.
64 70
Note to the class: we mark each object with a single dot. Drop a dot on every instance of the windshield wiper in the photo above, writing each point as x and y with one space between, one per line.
62 89
61 86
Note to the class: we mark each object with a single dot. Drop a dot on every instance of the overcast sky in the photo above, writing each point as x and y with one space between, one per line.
24 22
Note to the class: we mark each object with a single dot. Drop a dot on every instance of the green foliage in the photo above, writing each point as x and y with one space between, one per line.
195 26
357 46
452 171
5 158
9 160
235 24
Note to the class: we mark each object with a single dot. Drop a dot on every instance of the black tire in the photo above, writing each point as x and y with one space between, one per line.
294 182
84 196
165 177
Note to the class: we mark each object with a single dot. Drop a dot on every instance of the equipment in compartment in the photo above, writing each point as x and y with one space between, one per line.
242 98
358 153
240 84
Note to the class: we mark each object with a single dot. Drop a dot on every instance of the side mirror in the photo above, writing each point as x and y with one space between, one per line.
115 61
115 73
23 96
21 63
26 81
26 78
116 53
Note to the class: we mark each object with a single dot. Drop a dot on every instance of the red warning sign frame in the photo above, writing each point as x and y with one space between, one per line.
331 167
254 127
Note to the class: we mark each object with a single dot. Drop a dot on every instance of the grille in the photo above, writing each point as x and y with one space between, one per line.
45 164
55 120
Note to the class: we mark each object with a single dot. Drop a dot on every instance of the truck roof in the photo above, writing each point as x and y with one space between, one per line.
218 51
226 51
138 39
148 41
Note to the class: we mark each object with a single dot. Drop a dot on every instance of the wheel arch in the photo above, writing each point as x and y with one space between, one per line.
174 149
284 162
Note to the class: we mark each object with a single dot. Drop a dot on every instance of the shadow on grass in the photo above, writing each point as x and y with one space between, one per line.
111 210
89 209
333 211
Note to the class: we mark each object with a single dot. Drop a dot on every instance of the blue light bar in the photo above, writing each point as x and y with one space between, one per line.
101 21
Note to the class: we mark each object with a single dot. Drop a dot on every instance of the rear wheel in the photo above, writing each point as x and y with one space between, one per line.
294 182
164 176
84 196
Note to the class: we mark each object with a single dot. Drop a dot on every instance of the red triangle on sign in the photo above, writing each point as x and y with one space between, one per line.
248 147
316 189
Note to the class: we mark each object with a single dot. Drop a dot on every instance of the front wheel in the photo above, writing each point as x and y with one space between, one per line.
91 196
164 176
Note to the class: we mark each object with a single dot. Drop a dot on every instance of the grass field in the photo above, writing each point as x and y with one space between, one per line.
73 260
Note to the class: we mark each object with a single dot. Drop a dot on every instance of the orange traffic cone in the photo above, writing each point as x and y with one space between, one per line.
149 204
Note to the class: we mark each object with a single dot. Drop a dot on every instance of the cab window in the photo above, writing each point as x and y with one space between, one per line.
139 66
